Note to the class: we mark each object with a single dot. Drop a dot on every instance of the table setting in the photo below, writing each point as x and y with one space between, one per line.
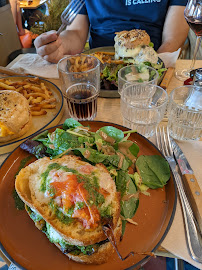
109 110
138 104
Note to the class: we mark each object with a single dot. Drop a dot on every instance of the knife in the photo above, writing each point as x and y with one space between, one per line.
167 77
192 187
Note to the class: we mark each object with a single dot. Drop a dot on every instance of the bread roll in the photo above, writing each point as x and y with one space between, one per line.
15 116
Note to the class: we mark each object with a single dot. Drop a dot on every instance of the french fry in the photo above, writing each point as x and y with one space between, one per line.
35 108
38 113
6 87
48 106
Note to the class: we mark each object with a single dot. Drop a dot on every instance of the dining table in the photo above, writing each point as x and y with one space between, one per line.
174 244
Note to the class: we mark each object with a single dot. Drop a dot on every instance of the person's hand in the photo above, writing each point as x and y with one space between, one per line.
49 46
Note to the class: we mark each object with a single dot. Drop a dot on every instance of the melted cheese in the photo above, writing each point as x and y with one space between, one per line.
4 130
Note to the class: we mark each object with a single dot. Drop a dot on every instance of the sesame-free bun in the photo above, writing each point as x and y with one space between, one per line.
132 39
15 116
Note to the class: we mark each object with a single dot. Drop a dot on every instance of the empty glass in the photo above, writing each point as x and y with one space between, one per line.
136 74
185 113
143 107
80 81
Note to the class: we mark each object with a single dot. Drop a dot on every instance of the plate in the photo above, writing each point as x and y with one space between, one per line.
114 93
28 248
52 117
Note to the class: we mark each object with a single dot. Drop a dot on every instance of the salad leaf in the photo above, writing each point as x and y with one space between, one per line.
71 123
112 132
154 170
92 155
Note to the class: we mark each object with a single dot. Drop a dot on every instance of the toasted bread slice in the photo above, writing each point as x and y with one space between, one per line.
28 186
103 253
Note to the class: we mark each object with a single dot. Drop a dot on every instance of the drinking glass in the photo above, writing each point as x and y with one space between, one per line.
143 107
136 74
80 82
185 113
193 16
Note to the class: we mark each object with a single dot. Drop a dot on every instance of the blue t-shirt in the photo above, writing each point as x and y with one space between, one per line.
109 16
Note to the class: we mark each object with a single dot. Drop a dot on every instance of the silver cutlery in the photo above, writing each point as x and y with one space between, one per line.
190 181
192 232
69 14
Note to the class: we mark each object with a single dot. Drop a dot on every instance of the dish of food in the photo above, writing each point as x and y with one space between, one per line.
25 245
45 102
110 69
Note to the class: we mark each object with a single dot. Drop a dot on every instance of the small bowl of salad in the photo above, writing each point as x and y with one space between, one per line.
137 74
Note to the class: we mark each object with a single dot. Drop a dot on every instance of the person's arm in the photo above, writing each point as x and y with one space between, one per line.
175 30
71 41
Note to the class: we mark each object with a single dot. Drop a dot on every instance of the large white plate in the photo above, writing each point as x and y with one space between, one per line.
39 123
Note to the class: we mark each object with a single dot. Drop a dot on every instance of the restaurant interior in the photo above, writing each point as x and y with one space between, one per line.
168 242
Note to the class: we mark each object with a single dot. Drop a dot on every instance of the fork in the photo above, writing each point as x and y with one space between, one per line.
69 13
192 234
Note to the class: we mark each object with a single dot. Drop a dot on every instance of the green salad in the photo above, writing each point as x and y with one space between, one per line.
132 173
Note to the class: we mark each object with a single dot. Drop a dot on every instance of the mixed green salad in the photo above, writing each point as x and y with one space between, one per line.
109 74
112 147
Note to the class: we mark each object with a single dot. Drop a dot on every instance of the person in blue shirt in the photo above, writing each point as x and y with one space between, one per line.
162 19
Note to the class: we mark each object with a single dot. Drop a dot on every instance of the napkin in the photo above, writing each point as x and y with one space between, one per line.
33 64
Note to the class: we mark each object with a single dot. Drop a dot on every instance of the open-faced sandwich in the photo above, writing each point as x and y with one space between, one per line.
71 200
15 115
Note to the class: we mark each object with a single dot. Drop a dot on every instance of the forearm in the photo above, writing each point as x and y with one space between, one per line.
175 30
72 41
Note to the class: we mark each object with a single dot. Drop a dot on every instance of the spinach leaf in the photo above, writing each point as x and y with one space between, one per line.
121 181
130 200
115 159
71 123
41 136
154 170
63 140
130 197
112 132
92 155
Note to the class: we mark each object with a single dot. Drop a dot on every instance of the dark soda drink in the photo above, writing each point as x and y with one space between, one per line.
82 101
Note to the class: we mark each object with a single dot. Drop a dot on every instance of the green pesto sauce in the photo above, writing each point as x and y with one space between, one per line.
66 219
23 162
19 204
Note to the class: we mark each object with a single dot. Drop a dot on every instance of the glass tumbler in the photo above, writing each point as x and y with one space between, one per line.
185 113
136 74
80 83
143 107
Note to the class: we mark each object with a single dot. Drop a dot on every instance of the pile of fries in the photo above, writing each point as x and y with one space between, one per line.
39 96
79 63
107 57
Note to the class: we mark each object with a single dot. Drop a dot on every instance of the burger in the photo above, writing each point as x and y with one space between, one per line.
71 201
15 115
136 46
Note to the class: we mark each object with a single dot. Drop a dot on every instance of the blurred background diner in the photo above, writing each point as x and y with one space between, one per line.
32 18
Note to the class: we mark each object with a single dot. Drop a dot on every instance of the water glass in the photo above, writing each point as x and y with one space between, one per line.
80 82
136 74
185 113
143 107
